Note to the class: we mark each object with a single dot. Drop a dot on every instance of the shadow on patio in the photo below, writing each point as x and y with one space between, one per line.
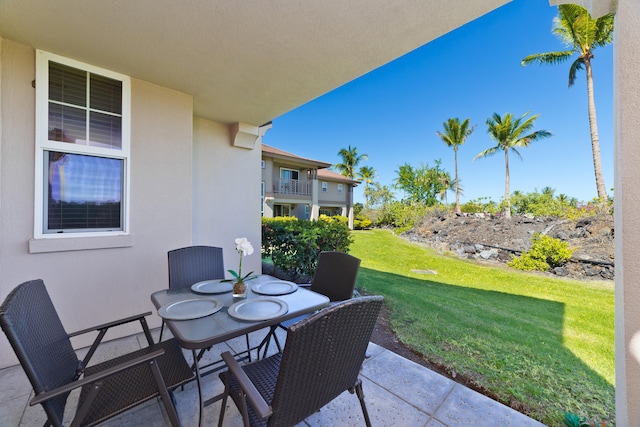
397 391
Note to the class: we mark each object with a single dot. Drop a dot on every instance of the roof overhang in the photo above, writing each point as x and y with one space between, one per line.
244 61
597 8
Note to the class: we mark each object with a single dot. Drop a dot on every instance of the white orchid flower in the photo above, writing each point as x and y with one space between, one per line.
243 246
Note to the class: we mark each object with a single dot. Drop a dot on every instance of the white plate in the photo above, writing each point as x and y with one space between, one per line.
275 287
212 287
258 309
190 309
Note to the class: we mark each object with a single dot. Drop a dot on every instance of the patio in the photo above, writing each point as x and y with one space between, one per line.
397 392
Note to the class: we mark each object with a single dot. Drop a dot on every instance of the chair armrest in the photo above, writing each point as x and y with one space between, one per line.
111 324
255 399
42 397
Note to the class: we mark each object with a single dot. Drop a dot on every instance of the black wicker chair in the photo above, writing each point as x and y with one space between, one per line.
43 347
322 358
335 277
193 264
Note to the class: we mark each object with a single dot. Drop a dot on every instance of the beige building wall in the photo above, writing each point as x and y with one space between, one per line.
331 196
95 285
627 211
226 193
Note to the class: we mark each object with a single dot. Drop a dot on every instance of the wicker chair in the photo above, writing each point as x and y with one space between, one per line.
43 347
335 277
193 264
322 358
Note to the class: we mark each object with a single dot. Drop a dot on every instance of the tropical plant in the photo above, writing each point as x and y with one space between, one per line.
422 184
578 31
455 134
377 194
350 160
294 244
546 252
367 175
511 134
244 248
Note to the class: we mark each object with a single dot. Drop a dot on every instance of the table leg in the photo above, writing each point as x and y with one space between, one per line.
201 401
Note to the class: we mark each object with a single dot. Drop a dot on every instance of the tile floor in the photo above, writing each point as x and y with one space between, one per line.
398 392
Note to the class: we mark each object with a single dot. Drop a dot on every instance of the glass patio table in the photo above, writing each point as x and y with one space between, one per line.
200 333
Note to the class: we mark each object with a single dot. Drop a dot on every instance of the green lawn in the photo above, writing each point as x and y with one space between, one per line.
542 345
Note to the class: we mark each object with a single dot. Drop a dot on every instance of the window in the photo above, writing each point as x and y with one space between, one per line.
339 188
324 187
82 149
289 181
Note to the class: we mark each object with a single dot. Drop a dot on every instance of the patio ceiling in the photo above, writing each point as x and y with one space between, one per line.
243 61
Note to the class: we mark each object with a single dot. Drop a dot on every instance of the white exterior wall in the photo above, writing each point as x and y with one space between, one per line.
226 193
170 206
627 209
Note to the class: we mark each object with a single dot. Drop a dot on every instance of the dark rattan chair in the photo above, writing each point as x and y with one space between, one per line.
322 358
44 350
335 277
193 264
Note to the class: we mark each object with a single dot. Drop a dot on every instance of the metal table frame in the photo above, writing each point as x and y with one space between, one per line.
199 334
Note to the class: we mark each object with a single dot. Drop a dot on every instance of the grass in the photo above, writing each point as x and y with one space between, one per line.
540 344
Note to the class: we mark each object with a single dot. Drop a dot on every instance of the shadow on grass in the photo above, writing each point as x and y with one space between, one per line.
510 345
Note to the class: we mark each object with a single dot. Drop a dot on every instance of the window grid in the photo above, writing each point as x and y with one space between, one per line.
82 155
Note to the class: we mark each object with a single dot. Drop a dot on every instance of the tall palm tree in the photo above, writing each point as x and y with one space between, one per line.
367 174
455 134
511 134
350 159
581 34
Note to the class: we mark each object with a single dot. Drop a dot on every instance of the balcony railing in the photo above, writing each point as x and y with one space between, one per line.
292 186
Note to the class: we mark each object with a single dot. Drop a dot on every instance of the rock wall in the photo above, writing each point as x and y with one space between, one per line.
495 239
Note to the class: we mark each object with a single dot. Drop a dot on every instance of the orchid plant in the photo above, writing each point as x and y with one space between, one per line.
244 248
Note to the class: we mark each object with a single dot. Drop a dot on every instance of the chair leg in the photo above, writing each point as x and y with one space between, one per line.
165 396
360 394
223 407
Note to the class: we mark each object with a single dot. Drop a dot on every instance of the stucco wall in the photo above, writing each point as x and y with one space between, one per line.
332 195
627 219
93 286
226 189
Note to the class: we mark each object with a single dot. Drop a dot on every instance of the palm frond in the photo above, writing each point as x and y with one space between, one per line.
548 58
573 70
486 153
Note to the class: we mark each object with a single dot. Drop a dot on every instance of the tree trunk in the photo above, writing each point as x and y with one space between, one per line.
507 195
595 140
455 166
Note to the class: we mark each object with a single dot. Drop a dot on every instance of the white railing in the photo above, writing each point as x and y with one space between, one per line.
292 186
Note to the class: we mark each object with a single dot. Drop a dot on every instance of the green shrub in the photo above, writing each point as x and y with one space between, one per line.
294 244
362 223
545 253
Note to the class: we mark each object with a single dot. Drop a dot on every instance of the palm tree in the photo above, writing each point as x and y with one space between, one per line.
350 159
581 34
367 174
510 134
455 134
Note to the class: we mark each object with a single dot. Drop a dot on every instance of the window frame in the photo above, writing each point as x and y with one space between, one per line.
340 189
43 145
325 186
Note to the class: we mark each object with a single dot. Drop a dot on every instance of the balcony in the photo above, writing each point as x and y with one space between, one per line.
292 186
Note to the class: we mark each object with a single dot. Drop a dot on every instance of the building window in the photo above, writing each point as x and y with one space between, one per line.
82 149
289 181
339 188
325 187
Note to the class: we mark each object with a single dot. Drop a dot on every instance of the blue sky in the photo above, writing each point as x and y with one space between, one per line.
393 113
